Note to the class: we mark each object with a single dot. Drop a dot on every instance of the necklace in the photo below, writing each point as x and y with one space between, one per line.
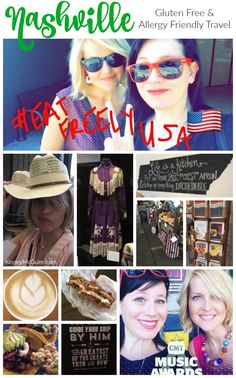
46 246
49 245
42 246
141 367
221 356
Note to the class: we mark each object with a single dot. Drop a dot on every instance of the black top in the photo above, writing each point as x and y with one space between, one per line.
139 367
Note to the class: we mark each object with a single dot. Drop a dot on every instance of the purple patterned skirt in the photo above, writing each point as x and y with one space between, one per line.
105 227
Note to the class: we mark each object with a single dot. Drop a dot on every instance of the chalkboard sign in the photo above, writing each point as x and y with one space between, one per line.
89 349
185 174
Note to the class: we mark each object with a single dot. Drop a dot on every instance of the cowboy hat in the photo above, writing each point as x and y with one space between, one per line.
48 177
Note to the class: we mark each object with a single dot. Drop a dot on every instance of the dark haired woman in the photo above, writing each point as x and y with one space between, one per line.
143 296
143 309
165 89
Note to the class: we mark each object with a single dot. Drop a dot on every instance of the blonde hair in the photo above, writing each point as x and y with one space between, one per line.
77 71
219 284
63 201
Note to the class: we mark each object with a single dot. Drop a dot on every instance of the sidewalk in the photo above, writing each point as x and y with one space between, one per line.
150 250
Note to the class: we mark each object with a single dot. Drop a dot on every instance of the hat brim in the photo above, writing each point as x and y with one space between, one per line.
21 192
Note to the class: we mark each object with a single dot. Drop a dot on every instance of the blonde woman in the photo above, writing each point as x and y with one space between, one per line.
48 239
97 70
206 302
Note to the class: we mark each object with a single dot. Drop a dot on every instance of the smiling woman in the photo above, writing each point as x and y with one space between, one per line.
97 70
206 302
143 295
165 83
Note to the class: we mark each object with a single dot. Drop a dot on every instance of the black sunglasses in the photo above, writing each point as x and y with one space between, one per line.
95 64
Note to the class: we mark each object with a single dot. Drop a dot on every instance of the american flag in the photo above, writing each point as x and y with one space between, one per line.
207 120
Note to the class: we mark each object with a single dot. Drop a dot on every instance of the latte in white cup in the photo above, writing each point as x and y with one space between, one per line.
30 294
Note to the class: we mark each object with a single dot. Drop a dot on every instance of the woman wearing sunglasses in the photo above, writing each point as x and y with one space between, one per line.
165 87
97 70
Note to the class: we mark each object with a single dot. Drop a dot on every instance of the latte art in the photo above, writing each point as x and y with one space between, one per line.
30 294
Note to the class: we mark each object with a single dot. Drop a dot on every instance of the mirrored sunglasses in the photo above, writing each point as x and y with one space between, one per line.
168 69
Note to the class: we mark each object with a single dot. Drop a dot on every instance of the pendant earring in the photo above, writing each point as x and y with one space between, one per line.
88 80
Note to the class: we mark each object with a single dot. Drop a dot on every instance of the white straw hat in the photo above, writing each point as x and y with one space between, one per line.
48 177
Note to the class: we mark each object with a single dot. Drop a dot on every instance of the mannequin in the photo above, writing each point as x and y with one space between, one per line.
106 208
